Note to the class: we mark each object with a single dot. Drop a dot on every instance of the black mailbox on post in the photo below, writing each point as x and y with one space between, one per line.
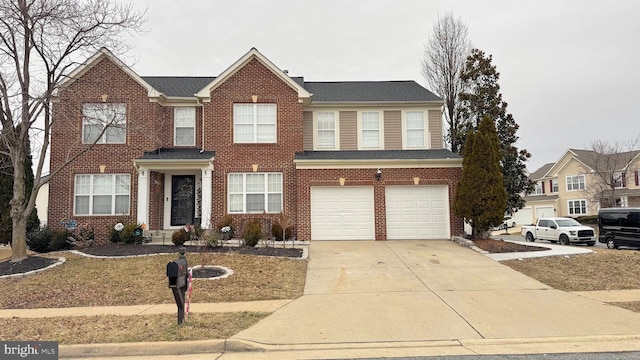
177 273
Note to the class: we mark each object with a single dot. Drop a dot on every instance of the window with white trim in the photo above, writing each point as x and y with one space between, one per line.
577 207
326 130
184 126
575 182
554 185
370 129
104 123
254 192
618 180
538 189
254 123
414 127
102 194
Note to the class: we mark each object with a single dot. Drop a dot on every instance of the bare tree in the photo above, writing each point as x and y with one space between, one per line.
444 58
40 42
608 165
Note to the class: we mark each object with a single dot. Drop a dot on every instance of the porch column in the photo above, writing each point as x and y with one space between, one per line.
143 196
205 221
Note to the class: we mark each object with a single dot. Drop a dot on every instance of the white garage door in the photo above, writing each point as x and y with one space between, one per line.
417 212
342 213
524 216
544 211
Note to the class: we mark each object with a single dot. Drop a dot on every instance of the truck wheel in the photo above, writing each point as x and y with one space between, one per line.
529 237
611 244
564 240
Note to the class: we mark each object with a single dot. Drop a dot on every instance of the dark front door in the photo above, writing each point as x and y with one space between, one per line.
183 190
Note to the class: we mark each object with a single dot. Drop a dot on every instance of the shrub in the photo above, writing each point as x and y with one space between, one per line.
126 236
60 240
211 238
589 219
38 239
114 236
276 231
226 220
179 237
253 232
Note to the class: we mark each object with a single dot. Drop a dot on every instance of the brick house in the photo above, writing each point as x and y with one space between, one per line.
344 160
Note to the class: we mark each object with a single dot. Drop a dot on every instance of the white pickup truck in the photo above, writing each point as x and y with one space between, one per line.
563 230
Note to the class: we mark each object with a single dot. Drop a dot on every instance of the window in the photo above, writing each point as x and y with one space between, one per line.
575 182
538 189
414 125
577 207
184 126
370 129
254 123
255 192
326 130
103 194
554 186
104 123
618 180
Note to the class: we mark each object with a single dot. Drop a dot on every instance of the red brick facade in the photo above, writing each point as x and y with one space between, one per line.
150 127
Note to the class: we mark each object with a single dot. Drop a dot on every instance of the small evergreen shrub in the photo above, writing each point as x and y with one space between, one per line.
180 237
38 239
60 240
126 236
114 236
253 233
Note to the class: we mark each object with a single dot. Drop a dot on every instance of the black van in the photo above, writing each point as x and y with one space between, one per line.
619 227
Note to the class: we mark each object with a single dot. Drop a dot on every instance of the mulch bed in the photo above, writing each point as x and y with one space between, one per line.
500 246
37 262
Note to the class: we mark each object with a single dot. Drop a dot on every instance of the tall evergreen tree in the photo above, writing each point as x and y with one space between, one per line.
481 98
481 197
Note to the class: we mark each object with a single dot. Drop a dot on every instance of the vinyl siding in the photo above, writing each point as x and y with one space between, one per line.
348 130
435 129
393 130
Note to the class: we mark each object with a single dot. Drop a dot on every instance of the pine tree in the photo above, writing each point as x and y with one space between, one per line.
483 98
480 197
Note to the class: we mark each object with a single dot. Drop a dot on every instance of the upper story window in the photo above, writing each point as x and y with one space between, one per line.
184 126
538 189
255 192
104 123
370 130
415 129
254 123
102 194
326 130
618 180
575 182
554 185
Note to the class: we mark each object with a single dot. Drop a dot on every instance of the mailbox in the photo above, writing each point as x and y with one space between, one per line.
177 273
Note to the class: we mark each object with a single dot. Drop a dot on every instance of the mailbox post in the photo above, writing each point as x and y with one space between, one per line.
177 273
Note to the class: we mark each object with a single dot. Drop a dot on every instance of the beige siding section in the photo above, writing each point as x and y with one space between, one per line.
307 130
348 130
435 129
393 130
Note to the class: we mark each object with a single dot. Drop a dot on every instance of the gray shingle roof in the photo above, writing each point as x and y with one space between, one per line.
380 91
541 172
177 154
347 91
433 154
176 86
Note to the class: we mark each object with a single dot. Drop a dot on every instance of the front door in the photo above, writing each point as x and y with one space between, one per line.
183 190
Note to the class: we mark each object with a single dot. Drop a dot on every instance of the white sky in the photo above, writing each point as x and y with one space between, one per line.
567 68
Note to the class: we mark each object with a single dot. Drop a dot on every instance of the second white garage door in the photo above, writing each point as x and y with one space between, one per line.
417 212
342 213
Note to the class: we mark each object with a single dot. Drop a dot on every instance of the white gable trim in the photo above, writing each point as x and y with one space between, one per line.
252 54
94 60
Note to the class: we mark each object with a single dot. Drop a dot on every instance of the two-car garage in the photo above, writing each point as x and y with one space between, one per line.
349 212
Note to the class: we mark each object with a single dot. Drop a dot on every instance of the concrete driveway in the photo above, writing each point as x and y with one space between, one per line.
428 291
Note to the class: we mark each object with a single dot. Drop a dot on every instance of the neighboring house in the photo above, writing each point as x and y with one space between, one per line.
42 201
344 160
573 185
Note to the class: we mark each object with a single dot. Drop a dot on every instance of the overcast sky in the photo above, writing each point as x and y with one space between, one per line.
568 69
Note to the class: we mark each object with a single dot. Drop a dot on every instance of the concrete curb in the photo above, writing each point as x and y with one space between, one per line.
546 344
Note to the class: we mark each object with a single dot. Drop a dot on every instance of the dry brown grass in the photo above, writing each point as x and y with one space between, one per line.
603 269
83 281
118 329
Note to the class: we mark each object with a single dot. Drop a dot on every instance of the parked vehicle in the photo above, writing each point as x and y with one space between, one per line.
507 222
619 227
563 230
